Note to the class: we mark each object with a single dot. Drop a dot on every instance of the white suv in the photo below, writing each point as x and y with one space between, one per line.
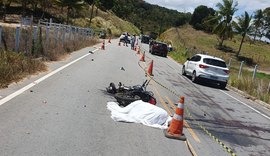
207 67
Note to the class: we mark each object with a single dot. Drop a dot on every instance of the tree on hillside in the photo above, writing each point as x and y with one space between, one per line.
224 16
266 27
200 13
71 5
258 22
242 27
90 3
107 4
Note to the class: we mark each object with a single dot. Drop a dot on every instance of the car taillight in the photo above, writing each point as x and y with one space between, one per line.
226 71
203 66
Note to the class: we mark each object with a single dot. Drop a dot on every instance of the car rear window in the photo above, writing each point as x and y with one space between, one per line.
215 62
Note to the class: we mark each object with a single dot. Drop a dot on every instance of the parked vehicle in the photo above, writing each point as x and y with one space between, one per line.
122 38
205 67
160 48
127 94
145 39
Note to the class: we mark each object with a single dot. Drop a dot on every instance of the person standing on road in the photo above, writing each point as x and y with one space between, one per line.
133 39
126 39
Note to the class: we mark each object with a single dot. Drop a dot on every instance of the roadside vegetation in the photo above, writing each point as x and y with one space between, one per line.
219 35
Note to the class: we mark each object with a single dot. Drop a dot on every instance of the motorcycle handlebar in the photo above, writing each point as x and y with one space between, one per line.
144 83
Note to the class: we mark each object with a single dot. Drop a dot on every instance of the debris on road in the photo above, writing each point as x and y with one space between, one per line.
91 52
140 112
122 68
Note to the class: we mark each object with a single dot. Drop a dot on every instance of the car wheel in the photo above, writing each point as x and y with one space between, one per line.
222 85
194 77
164 55
183 71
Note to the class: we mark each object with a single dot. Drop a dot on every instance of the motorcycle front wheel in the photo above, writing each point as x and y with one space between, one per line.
125 99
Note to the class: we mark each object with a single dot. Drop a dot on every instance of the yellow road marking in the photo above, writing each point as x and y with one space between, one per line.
191 148
170 113
163 102
193 134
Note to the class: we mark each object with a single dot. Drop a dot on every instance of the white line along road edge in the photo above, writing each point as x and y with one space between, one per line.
18 92
247 105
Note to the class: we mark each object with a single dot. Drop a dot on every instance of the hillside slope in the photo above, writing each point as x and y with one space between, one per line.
201 42
108 21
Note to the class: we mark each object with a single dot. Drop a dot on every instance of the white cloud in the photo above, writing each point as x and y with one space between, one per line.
189 5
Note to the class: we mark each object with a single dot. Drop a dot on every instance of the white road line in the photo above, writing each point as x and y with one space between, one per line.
20 91
247 105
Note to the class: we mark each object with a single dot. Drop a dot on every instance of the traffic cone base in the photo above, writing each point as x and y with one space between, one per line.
174 136
138 50
103 46
142 58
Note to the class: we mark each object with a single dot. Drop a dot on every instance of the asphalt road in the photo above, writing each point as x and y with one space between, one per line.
63 111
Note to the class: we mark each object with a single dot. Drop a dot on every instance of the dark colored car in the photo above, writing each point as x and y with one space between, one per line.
145 39
160 48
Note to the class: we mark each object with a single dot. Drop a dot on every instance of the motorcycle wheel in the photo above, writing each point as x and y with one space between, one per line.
125 99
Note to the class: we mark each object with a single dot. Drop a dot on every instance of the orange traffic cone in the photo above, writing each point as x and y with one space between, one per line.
150 69
135 48
103 46
175 131
142 58
138 50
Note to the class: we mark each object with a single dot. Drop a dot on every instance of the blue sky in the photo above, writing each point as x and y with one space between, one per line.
189 5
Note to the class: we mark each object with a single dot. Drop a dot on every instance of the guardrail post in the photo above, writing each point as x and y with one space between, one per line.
47 35
240 70
17 39
56 35
51 22
35 33
254 72
63 35
268 90
1 29
230 61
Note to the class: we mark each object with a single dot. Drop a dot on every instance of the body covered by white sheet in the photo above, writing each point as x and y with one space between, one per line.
140 112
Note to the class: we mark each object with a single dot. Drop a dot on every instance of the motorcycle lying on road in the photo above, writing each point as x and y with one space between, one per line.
127 94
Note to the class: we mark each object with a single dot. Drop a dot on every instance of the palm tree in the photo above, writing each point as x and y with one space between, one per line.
243 27
71 5
224 16
258 22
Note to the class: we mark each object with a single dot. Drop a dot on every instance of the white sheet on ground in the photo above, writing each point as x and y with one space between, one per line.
140 112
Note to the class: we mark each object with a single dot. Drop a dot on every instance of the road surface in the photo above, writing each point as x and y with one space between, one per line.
63 111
